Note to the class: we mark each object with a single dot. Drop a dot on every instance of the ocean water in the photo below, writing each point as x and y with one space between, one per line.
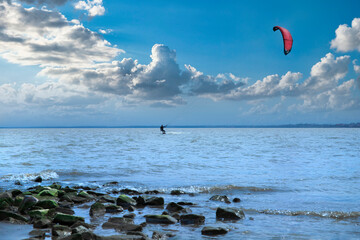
294 183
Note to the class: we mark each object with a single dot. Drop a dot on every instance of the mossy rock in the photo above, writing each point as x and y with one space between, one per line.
18 201
47 204
7 197
49 192
160 219
27 203
55 186
84 194
38 214
7 214
125 201
66 219
15 192
4 205
97 209
27 193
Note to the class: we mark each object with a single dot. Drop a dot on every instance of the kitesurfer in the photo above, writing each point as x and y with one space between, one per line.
162 129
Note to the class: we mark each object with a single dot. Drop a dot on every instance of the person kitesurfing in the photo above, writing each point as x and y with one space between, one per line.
162 129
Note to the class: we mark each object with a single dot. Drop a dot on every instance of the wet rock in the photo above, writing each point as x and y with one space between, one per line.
251 218
160 236
97 209
177 192
121 224
39 234
65 219
113 209
125 201
220 198
73 197
185 203
84 194
27 203
129 192
14 221
60 231
82 236
47 204
49 192
131 209
160 219
86 225
192 219
55 186
18 200
4 205
213 231
42 223
154 201
79 229
152 192
17 182
38 214
95 193
108 199
173 207
38 179
130 215
229 213
8 214
15 192
236 200
123 237
140 201
6 197
64 210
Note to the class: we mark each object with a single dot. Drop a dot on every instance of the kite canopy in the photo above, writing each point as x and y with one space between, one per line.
288 41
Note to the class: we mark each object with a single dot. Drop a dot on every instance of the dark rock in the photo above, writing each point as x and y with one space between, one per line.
220 198
12 220
251 218
229 213
18 200
213 231
174 207
176 216
4 205
160 219
39 234
97 209
125 201
82 236
7 214
236 200
42 223
122 225
84 194
86 225
192 219
152 192
140 201
38 214
177 192
55 186
132 233
129 191
64 210
15 192
185 203
96 193
110 183
107 198
49 192
124 237
61 231
120 220
38 179
154 201
6 197
130 215
131 209
17 182
65 219
79 229
47 204
113 209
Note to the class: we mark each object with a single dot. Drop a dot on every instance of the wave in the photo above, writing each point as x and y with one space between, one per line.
45 175
219 189
323 214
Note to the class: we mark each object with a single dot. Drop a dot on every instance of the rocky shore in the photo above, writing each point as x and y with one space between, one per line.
50 209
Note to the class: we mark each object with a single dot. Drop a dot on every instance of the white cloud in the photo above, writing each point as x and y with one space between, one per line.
356 67
347 38
93 7
105 31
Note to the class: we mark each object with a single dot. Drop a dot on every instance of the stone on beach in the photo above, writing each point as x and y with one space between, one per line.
125 201
173 207
121 224
7 214
229 213
192 219
97 209
220 198
154 201
213 231
66 219
160 219
47 204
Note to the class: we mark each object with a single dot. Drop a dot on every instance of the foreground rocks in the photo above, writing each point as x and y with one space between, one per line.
49 210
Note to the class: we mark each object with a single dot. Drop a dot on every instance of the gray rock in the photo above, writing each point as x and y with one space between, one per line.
27 203
125 201
229 213
220 198
61 231
154 201
160 219
42 223
113 209
174 207
213 231
236 200
192 219
7 214
97 209
177 192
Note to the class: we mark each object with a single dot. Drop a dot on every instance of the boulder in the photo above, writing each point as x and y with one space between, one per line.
4 205
236 200
173 207
192 219
229 213
61 231
160 219
37 214
220 198
65 219
49 192
27 203
121 224
213 231
129 192
125 201
84 194
42 223
6 197
7 214
113 209
108 199
154 201
97 209
177 192
38 179
47 204
15 192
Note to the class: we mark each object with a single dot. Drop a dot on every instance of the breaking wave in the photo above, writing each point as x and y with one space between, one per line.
220 189
45 175
323 214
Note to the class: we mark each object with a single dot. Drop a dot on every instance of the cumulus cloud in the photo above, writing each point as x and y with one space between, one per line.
356 67
42 37
47 2
93 7
347 37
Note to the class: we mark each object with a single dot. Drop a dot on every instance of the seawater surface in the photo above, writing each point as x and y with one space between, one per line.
294 183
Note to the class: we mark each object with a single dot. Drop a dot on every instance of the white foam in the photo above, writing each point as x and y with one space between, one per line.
45 175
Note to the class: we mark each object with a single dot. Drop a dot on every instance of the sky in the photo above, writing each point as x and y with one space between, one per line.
179 62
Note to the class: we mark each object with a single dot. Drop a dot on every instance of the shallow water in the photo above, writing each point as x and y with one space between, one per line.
296 183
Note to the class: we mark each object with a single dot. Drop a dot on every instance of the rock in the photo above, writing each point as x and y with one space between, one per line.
37 214
60 231
95 193
177 192
63 210
229 213
160 219
82 236
65 219
130 215
4 205
120 220
107 198
8 214
38 179
124 237
113 209
185 203
192 219
140 201
79 229
15 192
42 223
47 204
129 192
236 200
86 225
85 195
213 231
154 201
55 186
121 224
39 234
78 199
27 203
174 207
251 218
125 201
18 200
152 192
6 197
97 209
14 221
17 182
220 198
49 192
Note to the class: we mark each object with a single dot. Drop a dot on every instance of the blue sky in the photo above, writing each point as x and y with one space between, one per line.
115 63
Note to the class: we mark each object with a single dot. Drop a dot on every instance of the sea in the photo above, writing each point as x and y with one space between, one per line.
294 183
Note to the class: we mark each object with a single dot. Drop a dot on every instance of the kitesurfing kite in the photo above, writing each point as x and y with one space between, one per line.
288 41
